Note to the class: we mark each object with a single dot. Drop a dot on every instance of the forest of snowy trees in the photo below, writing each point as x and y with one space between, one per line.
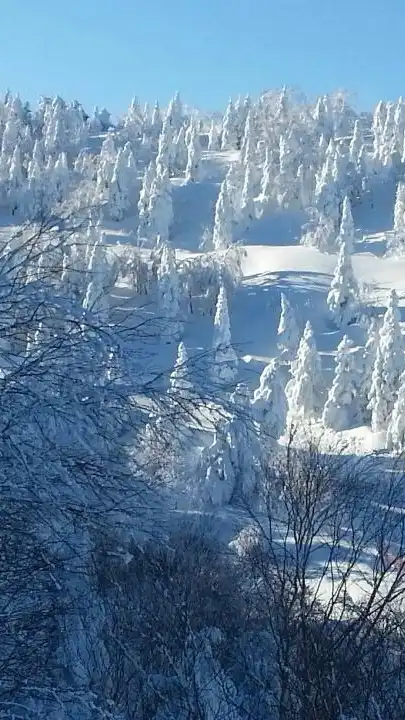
167 505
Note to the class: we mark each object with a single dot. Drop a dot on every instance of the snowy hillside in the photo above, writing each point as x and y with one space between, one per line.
203 388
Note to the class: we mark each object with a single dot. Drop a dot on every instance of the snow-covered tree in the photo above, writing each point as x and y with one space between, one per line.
216 477
222 233
116 197
304 389
224 367
249 144
181 150
234 181
194 156
245 449
166 148
169 293
96 299
356 143
10 135
346 231
119 189
399 218
248 194
379 117
229 128
180 385
133 122
213 137
287 334
144 199
323 118
322 234
160 208
175 113
16 181
61 178
343 296
305 186
269 404
94 122
156 124
369 356
388 367
267 183
326 192
339 407
396 426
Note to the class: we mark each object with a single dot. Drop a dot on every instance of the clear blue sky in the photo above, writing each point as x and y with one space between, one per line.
105 51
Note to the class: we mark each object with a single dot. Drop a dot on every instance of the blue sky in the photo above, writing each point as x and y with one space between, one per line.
105 51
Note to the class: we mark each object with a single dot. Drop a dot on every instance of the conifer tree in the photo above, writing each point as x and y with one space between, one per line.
156 124
267 182
287 333
342 298
339 407
398 241
215 470
225 362
234 181
181 150
304 389
61 177
388 367
180 385
169 293
16 181
213 137
346 231
144 199
367 367
229 128
396 426
248 195
379 117
356 143
96 298
166 149
269 404
10 135
194 156
160 208
222 234
249 144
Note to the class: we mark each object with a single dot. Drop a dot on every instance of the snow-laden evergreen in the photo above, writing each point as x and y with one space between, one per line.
144 199
269 403
369 357
304 389
222 233
396 426
288 335
398 241
213 137
169 294
224 364
339 409
388 367
229 128
180 385
194 156
160 207
343 296
346 231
